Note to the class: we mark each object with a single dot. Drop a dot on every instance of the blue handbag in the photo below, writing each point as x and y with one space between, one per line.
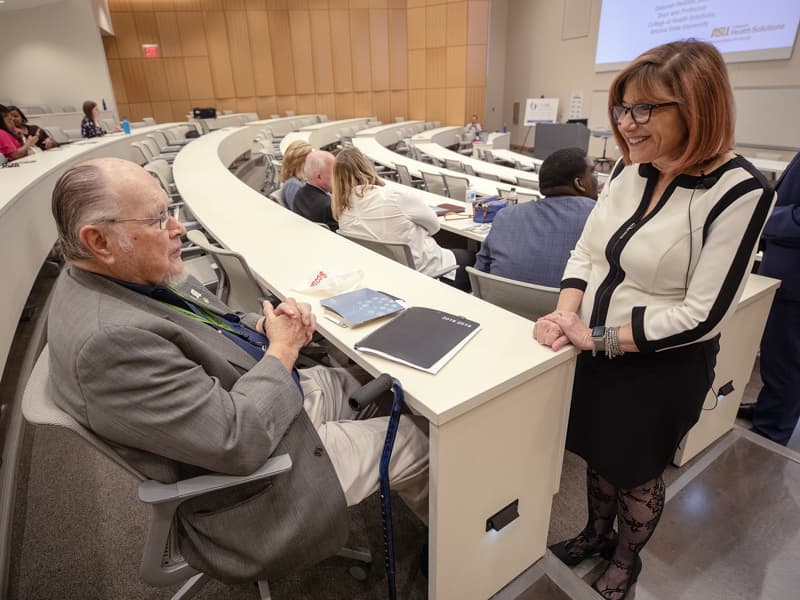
485 209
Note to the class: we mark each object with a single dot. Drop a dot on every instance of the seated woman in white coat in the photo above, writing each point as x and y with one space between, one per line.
365 206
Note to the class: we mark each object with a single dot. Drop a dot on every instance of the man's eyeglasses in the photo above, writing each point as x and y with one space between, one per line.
162 219
640 113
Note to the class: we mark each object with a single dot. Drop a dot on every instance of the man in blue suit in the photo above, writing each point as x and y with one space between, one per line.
531 242
777 410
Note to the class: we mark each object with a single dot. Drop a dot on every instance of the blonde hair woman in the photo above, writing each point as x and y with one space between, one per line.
364 205
292 170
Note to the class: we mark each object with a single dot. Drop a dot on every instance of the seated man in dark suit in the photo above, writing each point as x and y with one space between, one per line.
313 200
531 242
179 385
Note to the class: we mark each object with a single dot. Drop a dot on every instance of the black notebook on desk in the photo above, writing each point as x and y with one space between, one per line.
423 338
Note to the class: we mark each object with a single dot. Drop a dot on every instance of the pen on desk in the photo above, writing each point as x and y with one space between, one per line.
339 323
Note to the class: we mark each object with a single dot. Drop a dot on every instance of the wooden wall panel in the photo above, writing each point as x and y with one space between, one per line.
344 106
169 34
219 57
436 104
124 110
362 104
435 67
180 108
326 105
435 26
475 103
456 66
321 51
340 51
261 51
140 110
246 104
417 105
398 104
476 65
110 47
416 28
142 5
146 29
266 106
117 81
198 77
135 80
306 104
416 69
127 38
286 103
478 22
282 58
176 78
193 33
381 106
241 61
300 30
457 24
360 50
379 48
398 50
156 78
456 106
162 112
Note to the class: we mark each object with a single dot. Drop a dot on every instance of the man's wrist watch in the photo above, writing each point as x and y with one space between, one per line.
598 339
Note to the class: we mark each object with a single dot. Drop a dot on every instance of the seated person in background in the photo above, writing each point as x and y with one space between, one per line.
472 130
313 200
180 386
11 145
364 206
90 126
292 178
532 242
44 141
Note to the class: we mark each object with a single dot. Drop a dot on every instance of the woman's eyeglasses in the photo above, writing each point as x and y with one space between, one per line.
640 113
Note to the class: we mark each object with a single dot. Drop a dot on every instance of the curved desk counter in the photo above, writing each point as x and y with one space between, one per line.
480 166
497 425
381 155
326 133
393 132
444 136
284 125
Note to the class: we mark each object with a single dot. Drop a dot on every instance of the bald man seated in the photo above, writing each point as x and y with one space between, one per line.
180 386
313 200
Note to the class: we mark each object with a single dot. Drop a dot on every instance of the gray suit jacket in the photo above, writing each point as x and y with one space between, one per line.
177 399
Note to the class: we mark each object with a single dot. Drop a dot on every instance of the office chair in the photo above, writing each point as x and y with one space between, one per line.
57 134
149 121
528 183
434 183
162 564
161 170
397 251
521 196
469 170
406 178
453 165
456 186
525 299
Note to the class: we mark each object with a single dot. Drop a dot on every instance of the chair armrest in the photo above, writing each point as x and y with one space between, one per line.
443 271
155 492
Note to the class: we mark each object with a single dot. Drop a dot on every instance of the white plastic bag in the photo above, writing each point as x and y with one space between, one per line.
325 282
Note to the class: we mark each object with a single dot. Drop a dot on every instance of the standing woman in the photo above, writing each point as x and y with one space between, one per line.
292 179
363 205
661 264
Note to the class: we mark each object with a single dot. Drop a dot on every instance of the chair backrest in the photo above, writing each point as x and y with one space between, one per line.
240 290
528 183
109 124
434 183
57 134
277 196
403 175
456 186
525 299
490 177
143 154
161 170
151 146
149 120
39 408
159 138
397 251
469 170
453 165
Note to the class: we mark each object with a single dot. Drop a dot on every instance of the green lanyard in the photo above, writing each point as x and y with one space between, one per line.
207 318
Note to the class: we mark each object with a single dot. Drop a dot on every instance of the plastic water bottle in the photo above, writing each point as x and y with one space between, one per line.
126 126
469 198
512 196
505 128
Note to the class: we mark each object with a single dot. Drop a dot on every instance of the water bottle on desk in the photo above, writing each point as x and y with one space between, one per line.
505 128
512 196
126 126
469 198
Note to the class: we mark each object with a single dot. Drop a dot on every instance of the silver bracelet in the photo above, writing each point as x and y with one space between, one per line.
613 349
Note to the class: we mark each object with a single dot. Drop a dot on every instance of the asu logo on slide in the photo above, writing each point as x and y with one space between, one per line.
720 32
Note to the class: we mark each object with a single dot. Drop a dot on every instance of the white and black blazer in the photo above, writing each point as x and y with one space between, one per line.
678 272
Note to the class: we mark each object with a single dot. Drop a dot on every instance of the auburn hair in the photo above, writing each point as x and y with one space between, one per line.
294 159
694 75
351 171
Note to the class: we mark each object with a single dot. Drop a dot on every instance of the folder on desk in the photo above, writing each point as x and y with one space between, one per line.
423 338
361 306
444 208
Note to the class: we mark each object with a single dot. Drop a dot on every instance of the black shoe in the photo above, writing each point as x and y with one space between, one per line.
746 411
613 593
605 549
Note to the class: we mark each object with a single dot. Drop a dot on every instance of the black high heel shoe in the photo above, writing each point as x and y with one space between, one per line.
605 549
623 589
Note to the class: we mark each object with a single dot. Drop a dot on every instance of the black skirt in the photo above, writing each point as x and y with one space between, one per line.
629 414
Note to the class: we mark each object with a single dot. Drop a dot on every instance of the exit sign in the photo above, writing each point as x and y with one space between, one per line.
150 50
